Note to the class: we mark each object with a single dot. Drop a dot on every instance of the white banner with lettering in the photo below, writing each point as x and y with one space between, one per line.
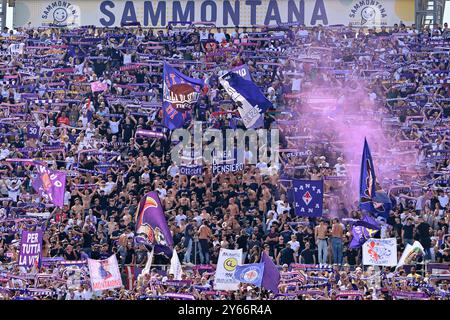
229 13
226 265
380 252
104 274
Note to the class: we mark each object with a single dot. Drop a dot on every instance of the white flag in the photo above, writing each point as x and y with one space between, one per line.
148 265
104 274
175 266
410 254
380 252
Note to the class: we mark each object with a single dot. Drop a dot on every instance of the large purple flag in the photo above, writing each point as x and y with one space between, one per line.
368 222
50 184
151 224
271 276
30 248
360 235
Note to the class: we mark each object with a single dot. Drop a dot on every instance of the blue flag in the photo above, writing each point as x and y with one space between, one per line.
180 93
251 102
308 197
371 198
243 71
271 275
250 273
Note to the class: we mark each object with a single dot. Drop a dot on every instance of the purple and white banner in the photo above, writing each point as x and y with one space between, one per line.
33 131
227 168
104 274
50 184
30 248
150 134
191 171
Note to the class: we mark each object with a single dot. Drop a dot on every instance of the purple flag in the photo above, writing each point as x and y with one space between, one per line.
151 224
368 222
360 235
271 276
33 131
30 248
50 184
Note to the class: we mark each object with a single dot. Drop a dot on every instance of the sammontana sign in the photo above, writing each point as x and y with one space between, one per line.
158 13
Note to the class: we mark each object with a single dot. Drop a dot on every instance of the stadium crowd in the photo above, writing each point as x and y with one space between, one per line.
396 78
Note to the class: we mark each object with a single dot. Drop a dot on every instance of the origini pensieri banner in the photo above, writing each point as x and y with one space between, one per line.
104 274
222 13
226 266
380 252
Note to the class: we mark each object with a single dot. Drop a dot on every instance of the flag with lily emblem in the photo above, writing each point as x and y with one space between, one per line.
308 197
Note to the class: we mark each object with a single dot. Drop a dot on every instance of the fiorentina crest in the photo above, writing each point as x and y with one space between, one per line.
308 197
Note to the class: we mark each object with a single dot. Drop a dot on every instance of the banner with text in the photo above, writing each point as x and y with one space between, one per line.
365 13
104 274
226 266
30 248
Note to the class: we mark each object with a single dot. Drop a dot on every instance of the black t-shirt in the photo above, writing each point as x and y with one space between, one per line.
87 240
424 230
95 255
242 242
71 256
140 256
351 256
308 256
287 256
56 252
129 256
127 131
408 231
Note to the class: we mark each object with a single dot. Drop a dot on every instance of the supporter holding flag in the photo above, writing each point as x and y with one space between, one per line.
372 198
180 94
252 104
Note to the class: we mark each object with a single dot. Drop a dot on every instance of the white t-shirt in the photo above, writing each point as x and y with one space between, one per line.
145 177
204 35
67 197
108 187
178 219
281 207
198 220
126 58
173 170
4 153
15 48
296 84
13 193
219 37
161 192
443 200
114 126
295 245
79 68
340 169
